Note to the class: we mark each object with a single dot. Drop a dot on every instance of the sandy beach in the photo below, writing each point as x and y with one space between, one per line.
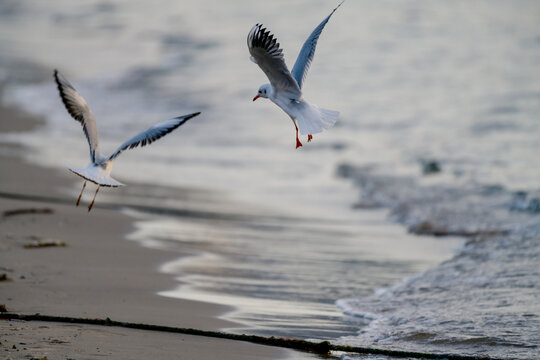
95 272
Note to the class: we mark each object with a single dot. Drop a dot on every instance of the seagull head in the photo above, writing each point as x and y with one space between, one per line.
264 92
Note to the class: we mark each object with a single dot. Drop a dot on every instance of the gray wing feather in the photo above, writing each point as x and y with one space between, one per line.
79 110
305 57
265 52
152 134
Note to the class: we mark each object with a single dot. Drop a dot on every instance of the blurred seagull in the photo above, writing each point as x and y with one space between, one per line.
285 87
99 169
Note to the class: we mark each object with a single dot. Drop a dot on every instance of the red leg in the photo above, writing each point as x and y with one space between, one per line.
94 199
309 137
298 143
79 199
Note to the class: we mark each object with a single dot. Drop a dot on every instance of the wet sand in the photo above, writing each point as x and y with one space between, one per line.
98 273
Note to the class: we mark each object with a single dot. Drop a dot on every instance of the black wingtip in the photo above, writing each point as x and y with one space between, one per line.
56 76
341 3
189 116
193 115
60 87
61 80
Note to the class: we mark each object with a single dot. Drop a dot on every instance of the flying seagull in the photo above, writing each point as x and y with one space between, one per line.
99 169
285 88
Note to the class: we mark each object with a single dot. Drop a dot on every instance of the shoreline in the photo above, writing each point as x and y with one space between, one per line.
98 273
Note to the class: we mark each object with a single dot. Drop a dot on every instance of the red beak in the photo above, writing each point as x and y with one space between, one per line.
256 97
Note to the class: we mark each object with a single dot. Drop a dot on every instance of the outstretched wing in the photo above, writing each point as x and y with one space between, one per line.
155 132
265 52
303 62
79 110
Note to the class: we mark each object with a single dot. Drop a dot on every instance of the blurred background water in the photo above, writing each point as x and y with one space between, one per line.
281 233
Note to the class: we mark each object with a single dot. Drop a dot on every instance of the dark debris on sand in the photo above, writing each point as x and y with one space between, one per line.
16 212
44 244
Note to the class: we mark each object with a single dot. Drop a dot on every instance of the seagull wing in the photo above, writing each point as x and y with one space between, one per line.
265 52
79 110
152 134
303 62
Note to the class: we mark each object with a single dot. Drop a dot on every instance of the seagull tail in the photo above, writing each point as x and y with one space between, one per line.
312 119
97 175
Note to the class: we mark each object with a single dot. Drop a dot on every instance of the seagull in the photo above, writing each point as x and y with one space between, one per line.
285 88
99 169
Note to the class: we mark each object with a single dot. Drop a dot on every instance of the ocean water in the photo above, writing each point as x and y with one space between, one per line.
314 242
483 301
